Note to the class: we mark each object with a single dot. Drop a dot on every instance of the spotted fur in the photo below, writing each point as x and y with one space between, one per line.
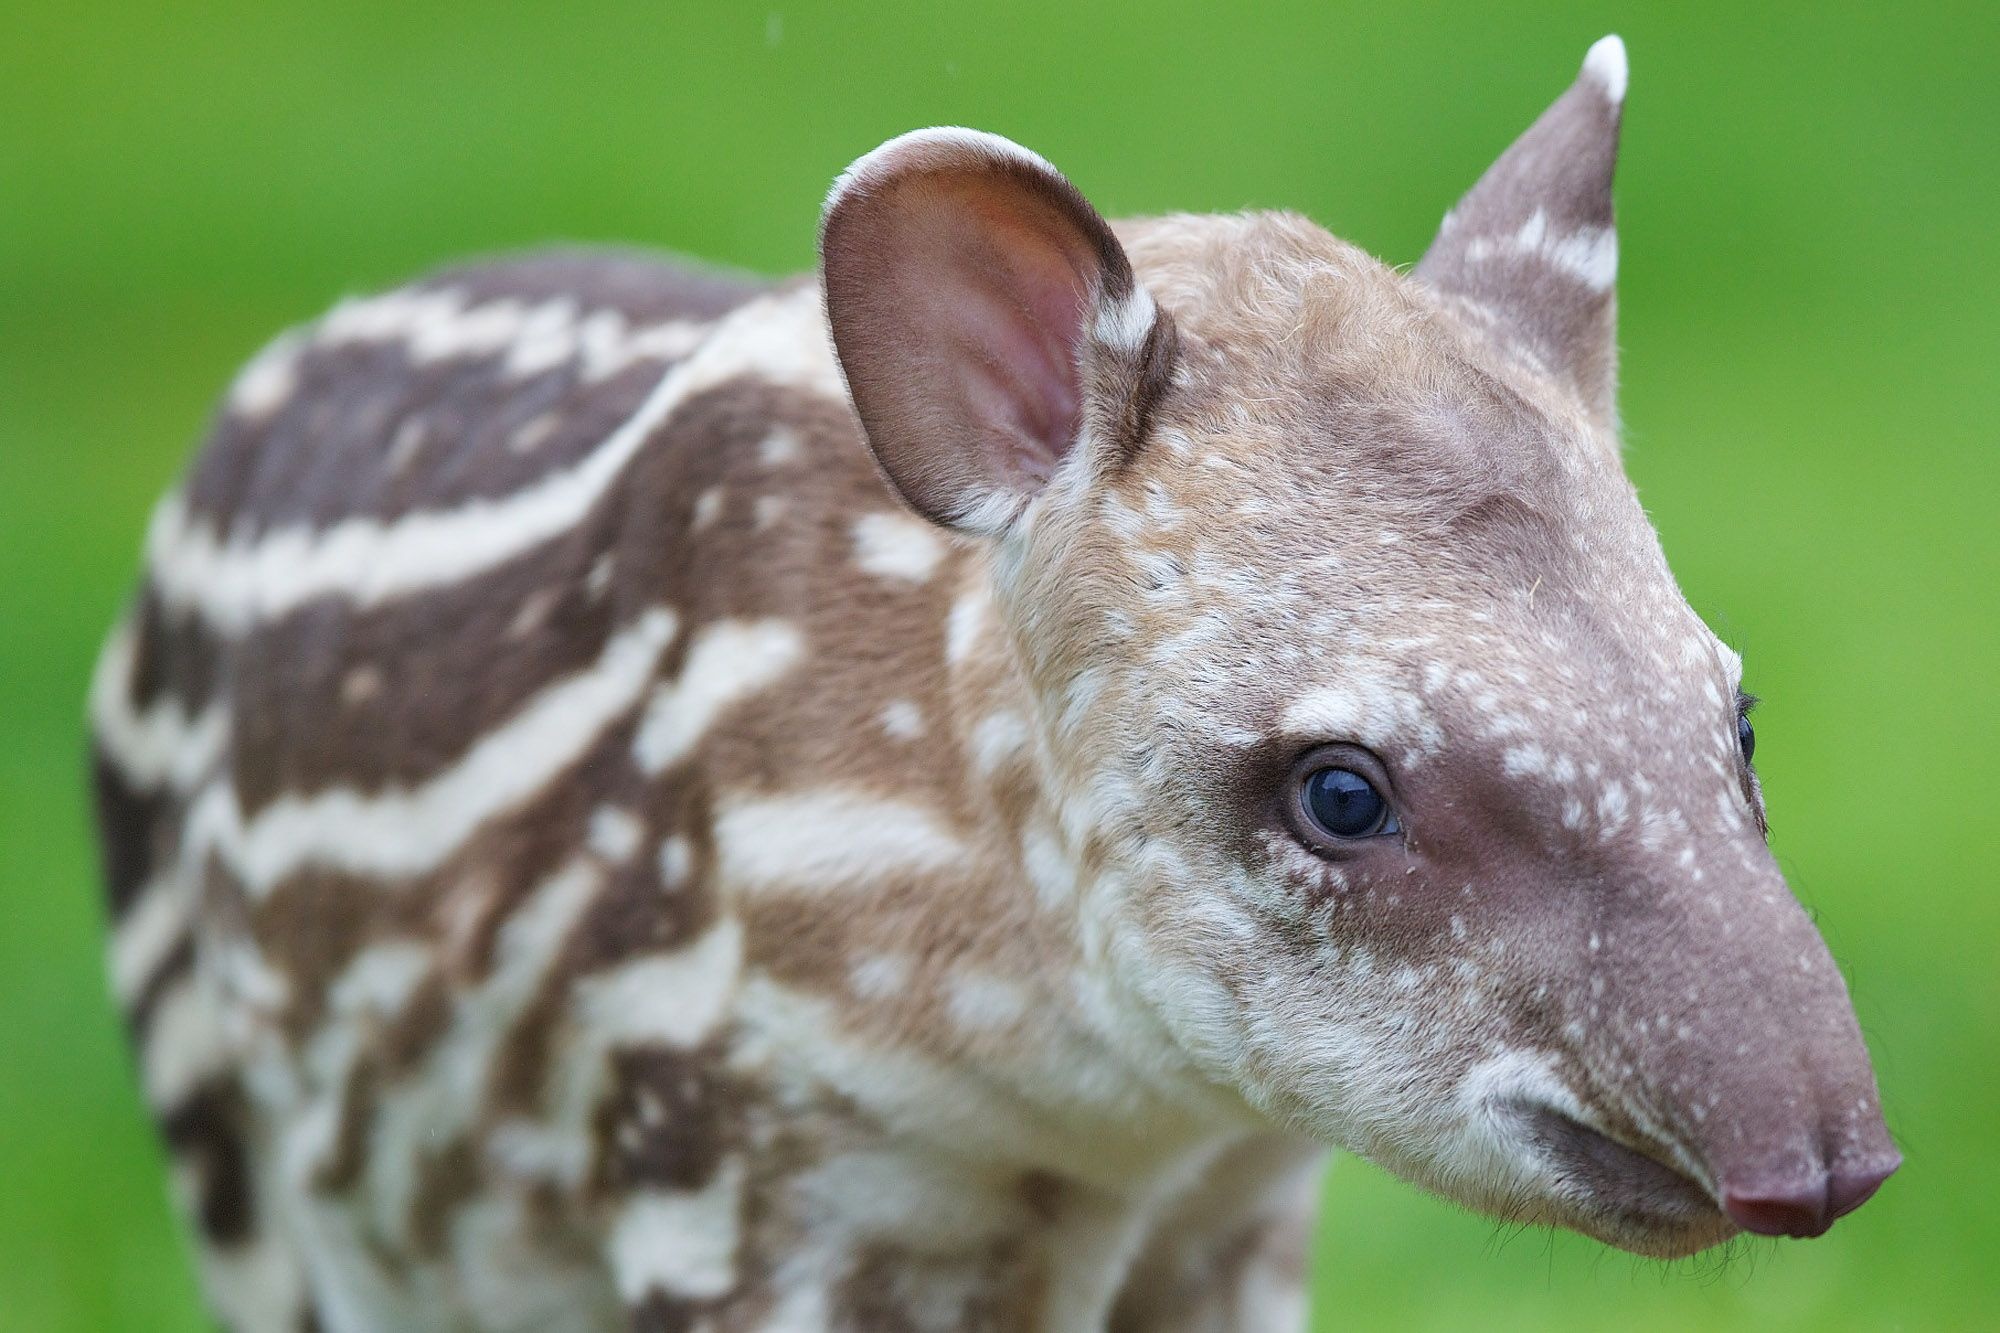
619 808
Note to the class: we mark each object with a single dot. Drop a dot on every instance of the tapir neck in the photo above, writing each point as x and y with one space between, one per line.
972 986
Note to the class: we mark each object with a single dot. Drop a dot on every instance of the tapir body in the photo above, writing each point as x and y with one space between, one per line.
922 799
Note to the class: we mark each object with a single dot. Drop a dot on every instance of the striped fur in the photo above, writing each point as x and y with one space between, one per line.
604 825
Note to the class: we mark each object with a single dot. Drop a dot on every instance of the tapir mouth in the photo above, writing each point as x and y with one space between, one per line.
1637 1187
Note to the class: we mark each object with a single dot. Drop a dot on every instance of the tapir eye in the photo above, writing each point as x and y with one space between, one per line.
1341 803
1746 735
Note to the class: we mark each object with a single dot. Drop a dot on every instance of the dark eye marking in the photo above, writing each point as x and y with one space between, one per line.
1746 735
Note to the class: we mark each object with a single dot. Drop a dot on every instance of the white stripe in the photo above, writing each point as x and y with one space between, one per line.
980 1002
160 747
148 932
445 324
681 1242
453 1088
406 831
829 838
727 662
252 1285
183 1045
1124 325
672 999
235 584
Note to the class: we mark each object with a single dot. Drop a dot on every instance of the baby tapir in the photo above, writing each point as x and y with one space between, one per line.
923 799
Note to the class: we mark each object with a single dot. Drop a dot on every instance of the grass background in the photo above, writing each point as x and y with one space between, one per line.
1811 299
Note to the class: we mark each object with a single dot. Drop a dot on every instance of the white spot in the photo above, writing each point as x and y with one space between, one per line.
707 508
676 862
680 1242
880 976
980 1002
1605 63
965 624
1050 867
781 446
897 546
533 613
530 433
998 737
598 578
614 833
1588 254
360 685
1612 805
829 838
727 662
902 719
404 445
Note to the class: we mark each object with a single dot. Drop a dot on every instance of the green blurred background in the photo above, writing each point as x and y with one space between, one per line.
1811 301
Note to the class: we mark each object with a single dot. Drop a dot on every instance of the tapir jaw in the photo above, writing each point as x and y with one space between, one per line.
1636 1196
1659 1200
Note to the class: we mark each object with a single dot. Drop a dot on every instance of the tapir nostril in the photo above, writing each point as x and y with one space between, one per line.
1848 1190
1789 1211
1805 1209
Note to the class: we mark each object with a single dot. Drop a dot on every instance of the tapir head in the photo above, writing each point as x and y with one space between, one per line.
1398 781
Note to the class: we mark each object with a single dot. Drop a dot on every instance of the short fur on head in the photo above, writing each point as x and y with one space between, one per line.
1380 519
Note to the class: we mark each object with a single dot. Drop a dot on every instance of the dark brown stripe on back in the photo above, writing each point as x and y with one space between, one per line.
135 830
209 1129
395 694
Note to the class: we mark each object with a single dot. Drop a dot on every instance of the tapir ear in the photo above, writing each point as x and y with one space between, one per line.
1532 248
985 317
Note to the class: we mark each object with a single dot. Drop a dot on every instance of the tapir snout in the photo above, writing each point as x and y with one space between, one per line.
1749 1059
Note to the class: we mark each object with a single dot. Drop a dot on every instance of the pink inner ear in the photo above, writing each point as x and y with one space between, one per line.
1007 306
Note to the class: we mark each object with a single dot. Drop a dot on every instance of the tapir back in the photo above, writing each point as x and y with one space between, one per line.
410 862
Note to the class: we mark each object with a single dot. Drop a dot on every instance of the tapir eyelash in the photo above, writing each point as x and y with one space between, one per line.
1745 701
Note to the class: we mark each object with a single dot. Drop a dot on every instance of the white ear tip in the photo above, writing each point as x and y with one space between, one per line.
1605 62
937 139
